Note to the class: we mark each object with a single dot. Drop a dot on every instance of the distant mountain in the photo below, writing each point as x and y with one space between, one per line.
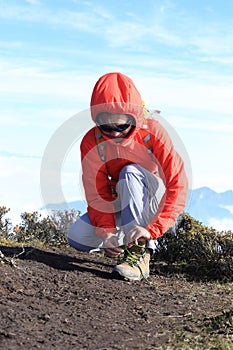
79 205
205 205
211 207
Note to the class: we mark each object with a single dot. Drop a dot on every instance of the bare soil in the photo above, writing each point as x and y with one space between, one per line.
53 298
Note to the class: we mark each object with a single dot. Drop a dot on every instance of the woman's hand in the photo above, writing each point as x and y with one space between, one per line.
137 235
111 245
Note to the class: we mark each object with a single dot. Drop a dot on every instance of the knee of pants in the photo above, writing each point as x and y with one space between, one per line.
81 247
130 168
71 231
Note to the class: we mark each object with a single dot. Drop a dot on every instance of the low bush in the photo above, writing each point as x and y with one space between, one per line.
188 247
5 223
50 230
192 246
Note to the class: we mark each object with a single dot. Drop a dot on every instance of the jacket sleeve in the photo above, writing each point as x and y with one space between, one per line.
172 171
97 187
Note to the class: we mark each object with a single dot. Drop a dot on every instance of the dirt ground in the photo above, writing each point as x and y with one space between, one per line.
55 298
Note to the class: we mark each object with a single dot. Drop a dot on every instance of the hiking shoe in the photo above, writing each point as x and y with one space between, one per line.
135 263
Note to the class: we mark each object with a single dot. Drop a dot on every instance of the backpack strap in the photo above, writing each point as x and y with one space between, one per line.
102 153
146 138
100 144
145 135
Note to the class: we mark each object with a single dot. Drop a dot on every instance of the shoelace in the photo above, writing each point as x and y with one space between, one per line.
133 258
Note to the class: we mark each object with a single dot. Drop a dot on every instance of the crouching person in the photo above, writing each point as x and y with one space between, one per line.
134 180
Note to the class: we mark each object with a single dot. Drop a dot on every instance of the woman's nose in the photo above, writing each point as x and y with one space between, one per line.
116 134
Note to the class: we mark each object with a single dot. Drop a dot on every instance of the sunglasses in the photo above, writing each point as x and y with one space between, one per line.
118 128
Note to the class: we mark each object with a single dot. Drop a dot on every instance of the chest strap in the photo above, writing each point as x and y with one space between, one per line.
101 145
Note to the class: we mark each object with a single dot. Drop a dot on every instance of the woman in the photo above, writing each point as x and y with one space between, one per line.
134 180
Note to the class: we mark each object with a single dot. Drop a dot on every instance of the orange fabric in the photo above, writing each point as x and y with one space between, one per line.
116 93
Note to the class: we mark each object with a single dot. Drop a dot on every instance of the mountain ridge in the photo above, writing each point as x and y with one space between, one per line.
205 205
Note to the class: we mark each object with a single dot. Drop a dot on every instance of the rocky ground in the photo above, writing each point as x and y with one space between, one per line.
55 298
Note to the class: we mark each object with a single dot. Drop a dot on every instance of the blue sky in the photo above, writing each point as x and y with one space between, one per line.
179 54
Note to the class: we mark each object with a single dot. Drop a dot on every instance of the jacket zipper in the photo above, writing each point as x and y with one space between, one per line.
118 153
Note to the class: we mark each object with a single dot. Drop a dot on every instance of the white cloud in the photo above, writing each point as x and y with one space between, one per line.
219 180
171 26
200 36
208 124
84 21
10 45
215 41
228 207
41 90
191 94
166 5
20 189
33 2
195 93
6 154
223 60
35 81
221 225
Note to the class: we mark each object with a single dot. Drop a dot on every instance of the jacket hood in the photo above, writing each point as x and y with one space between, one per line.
116 93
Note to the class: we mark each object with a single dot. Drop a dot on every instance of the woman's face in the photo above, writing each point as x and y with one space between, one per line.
115 126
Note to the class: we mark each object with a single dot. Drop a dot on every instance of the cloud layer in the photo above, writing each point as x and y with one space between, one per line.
180 56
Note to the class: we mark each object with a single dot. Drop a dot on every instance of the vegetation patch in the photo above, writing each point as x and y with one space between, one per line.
52 296
221 324
189 247
194 248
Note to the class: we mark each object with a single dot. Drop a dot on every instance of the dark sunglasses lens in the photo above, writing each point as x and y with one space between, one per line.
122 127
118 128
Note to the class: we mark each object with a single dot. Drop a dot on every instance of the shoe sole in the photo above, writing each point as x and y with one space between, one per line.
115 271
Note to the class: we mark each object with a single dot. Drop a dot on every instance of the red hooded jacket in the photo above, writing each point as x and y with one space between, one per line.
116 93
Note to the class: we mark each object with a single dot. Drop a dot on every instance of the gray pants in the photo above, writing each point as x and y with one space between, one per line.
139 195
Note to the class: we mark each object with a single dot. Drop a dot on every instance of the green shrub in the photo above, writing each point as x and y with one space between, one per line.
51 229
5 224
192 246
